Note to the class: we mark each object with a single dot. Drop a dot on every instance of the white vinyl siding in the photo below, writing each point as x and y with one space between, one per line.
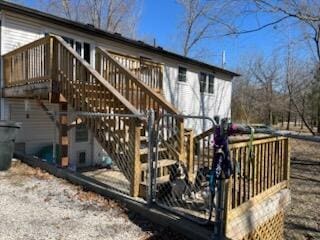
37 129
16 33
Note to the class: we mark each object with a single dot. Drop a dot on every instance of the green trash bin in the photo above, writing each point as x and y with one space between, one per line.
8 133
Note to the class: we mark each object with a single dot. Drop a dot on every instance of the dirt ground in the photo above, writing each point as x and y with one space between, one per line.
302 220
35 205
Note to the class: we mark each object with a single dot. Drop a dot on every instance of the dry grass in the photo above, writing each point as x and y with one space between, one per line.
302 220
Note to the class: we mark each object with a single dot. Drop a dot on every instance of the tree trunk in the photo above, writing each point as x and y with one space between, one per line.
303 109
318 117
289 115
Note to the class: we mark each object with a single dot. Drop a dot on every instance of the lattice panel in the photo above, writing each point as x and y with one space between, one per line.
270 230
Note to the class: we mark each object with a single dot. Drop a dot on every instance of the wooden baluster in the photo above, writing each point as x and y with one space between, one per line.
236 179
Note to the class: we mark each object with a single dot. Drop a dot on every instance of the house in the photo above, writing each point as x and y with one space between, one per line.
32 48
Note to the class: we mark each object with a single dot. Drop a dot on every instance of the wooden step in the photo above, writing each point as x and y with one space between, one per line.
160 163
160 180
144 139
144 151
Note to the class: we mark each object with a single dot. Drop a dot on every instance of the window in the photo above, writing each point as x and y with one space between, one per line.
82 157
86 52
203 82
81 133
70 41
206 82
211 83
79 46
182 77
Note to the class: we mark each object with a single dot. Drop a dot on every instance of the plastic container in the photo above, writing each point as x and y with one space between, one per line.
8 133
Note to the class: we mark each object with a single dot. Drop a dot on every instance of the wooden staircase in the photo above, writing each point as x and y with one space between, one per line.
110 88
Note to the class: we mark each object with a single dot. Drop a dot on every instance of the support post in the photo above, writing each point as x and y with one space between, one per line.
181 140
54 140
151 162
136 174
63 135
54 94
287 161
227 190
220 208
190 153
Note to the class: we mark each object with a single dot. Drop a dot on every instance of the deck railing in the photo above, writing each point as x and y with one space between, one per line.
255 180
256 172
28 64
147 71
260 169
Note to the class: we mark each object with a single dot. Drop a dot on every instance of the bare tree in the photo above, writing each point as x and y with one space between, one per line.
119 16
305 17
202 20
256 96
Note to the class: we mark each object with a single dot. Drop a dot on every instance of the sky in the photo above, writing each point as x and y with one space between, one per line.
161 19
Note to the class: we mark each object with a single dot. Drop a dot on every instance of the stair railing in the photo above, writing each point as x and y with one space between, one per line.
147 71
139 94
86 90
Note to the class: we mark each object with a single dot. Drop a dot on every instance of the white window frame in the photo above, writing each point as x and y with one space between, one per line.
186 80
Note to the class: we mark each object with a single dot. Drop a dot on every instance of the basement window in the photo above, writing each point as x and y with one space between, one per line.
82 134
182 76
82 157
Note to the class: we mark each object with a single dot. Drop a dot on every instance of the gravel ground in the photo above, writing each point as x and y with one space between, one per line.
36 205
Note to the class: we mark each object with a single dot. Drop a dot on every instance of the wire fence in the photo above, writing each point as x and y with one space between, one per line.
181 181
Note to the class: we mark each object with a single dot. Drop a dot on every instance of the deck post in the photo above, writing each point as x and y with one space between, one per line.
63 135
54 94
189 154
136 174
287 161
181 141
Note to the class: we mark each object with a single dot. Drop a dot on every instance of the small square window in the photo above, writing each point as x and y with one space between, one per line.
182 77
203 82
211 84
81 133
82 157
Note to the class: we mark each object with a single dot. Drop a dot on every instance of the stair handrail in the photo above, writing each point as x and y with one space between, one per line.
104 82
165 104
204 134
